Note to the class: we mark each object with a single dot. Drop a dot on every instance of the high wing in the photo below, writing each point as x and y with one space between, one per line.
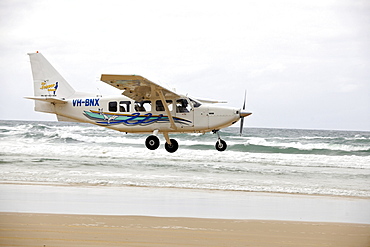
137 87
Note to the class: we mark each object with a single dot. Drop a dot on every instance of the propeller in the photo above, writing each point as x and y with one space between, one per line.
243 113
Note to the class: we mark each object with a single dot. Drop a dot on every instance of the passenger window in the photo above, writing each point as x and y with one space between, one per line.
112 106
124 106
182 106
160 107
143 106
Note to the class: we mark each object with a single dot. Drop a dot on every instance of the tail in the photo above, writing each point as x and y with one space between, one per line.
47 82
49 86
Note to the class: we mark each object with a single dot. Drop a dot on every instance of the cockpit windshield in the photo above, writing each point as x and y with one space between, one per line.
195 103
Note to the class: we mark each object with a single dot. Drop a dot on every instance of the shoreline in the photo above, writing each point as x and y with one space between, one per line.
169 202
60 215
177 188
30 229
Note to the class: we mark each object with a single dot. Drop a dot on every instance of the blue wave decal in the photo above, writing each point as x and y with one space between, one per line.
130 119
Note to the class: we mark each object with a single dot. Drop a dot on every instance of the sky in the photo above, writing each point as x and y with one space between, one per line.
304 64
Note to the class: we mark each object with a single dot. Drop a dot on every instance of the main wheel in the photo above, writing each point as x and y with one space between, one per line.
173 147
152 142
221 145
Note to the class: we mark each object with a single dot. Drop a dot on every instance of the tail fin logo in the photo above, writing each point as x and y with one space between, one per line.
50 88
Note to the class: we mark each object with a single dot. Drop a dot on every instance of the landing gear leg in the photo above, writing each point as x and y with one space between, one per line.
171 145
220 144
152 142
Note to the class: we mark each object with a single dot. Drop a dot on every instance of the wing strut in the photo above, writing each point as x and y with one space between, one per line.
173 126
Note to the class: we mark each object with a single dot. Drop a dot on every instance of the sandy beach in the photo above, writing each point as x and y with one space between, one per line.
49 215
20 229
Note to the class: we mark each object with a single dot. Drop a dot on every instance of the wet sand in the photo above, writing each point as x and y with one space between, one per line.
167 202
28 229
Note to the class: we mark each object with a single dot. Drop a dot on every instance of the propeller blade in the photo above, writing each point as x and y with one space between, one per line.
242 115
241 125
245 99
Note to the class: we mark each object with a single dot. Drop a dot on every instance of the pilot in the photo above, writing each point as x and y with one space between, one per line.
181 106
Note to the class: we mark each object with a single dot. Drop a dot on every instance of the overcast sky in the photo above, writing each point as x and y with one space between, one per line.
304 64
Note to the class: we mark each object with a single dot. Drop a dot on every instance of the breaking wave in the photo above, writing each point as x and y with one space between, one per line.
269 160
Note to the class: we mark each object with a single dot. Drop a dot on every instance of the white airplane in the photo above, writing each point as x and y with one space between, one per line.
143 107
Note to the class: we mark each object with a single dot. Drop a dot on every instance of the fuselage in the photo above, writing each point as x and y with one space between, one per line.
125 115
143 106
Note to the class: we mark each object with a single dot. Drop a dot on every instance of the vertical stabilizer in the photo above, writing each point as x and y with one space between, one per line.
47 82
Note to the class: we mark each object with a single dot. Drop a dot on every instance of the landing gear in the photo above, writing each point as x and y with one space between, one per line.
152 142
171 147
220 144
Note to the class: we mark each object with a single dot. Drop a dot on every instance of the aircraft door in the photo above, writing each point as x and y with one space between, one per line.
184 113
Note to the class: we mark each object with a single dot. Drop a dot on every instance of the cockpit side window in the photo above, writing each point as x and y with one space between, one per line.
182 105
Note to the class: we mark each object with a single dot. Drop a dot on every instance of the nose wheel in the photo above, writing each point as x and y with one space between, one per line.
220 144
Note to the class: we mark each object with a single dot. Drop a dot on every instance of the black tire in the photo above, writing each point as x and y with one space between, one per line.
152 142
173 147
221 145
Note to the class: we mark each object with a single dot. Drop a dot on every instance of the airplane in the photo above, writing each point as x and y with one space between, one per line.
143 106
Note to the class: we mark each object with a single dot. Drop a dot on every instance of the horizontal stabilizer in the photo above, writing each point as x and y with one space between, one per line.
48 99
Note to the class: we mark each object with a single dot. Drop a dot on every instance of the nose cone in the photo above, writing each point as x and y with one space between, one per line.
243 113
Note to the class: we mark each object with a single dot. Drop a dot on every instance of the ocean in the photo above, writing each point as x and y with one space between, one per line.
294 161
